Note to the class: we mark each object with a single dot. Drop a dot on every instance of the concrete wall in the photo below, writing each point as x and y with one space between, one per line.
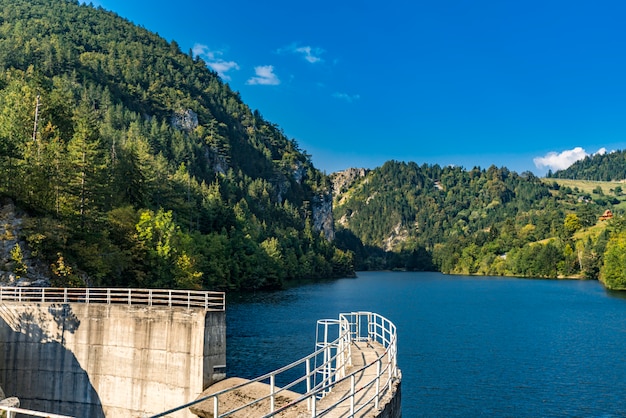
392 407
90 360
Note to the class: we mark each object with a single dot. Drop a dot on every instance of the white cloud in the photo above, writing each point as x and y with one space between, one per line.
221 67
213 60
348 98
560 161
311 54
264 76
200 49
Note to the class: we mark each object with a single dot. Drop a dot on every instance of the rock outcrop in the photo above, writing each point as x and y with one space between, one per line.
185 120
217 160
25 270
342 180
322 212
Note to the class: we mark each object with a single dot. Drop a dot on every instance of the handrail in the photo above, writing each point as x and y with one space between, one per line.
13 410
209 301
378 329
258 379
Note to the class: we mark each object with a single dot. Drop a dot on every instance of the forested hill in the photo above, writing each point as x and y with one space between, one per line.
135 165
480 221
599 167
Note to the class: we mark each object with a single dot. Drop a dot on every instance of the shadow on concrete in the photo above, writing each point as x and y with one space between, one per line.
35 365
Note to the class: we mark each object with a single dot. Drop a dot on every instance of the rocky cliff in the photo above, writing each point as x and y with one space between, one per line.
343 180
322 211
17 266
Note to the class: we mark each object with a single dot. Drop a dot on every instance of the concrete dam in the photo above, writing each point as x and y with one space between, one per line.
162 353
110 352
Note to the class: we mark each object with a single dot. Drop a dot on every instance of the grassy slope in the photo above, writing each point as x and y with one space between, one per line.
587 186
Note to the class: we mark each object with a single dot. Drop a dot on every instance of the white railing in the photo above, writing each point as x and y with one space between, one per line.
210 301
332 362
12 411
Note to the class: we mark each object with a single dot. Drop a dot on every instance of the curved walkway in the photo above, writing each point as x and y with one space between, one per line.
354 375
364 360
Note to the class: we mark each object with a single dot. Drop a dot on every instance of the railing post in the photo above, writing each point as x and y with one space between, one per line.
87 295
376 399
272 389
313 406
188 299
215 407
43 295
129 296
308 381
352 393
65 295
169 300
149 297
108 296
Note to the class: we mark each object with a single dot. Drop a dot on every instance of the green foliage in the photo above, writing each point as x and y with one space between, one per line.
613 273
489 222
600 167
63 275
123 186
571 223
17 257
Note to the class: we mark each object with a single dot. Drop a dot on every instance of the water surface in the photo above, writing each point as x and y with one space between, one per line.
468 346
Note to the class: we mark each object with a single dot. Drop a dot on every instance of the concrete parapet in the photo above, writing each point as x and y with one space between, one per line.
92 360
392 407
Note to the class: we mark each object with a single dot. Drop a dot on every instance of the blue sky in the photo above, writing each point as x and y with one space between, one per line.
529 85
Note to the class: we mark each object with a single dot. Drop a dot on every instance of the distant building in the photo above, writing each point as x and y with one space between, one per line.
606 215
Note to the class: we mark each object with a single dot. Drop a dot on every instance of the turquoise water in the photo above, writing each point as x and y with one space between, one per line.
467 346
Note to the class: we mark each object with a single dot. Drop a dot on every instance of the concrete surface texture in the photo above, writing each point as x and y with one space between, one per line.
241 397
336 404
365 353
89 360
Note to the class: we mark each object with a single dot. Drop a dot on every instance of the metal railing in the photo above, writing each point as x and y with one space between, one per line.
331 361
12 411
210 301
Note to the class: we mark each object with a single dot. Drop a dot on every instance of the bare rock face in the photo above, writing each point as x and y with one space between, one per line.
283 184
185 120
217 160
342 180
10 231
299 172
322 211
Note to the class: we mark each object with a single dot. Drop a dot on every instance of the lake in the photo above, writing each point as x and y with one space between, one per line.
467 346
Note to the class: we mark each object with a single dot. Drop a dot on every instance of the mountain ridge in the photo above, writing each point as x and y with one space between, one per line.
144 168
609 166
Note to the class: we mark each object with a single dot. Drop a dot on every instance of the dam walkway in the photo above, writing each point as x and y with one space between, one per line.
209 301
352 373
109 352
